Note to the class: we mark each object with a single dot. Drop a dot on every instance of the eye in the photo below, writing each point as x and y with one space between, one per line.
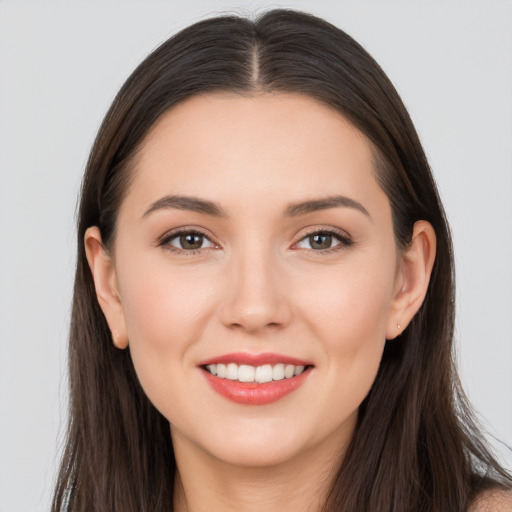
323 241
187 241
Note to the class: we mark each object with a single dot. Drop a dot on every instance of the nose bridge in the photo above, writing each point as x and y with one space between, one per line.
256 298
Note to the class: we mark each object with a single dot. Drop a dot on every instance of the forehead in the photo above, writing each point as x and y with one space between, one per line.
233 147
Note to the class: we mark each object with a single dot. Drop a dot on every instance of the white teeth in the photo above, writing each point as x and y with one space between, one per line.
278 372
264 374
289 371
221 371
232 371
259 374
246 373
298 370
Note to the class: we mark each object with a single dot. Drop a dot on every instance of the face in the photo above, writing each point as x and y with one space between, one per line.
255 243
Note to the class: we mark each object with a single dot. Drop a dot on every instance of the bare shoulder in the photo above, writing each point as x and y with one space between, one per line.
493 501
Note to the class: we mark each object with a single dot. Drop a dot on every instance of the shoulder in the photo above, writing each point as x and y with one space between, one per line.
493 501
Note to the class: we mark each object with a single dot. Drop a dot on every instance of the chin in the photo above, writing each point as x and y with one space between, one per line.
278 444
252 455
246 444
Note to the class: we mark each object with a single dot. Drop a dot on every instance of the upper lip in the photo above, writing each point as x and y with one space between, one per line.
255 359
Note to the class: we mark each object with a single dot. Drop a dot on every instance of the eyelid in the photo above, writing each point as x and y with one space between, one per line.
345 240
182 230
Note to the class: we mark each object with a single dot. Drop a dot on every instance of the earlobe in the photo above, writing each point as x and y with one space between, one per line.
417 261
105 282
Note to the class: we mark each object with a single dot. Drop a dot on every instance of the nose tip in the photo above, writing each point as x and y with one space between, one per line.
253 319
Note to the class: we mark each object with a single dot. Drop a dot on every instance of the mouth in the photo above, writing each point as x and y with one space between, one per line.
258 374
255 379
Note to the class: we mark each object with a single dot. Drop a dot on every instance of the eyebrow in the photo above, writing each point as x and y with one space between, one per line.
207 207
193 204
304 207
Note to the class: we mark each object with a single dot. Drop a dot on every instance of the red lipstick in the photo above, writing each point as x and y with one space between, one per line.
253 393
255 359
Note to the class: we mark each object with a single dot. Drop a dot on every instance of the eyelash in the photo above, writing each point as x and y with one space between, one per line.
343 238
166 240
344 241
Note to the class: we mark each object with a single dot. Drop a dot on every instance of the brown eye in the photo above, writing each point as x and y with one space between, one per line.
320 241
191 241
324 241
188 241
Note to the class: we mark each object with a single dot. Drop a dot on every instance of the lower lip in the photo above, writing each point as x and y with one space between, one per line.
250 393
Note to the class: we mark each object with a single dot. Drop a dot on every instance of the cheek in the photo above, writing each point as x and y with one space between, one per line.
163 308
348 304
165 315
348 314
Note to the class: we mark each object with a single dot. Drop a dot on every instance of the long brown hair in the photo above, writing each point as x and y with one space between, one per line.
416 447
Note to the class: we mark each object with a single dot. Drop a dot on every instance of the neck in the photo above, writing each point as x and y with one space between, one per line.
207 484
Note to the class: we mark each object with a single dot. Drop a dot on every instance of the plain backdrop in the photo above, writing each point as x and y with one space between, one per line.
61 64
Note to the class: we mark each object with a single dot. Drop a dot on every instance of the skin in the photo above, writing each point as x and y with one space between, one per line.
493 501
257 285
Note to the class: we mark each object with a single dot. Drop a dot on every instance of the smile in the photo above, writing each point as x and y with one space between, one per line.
255 379
258 374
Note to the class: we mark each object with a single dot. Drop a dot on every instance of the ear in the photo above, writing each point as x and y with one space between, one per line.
105 283
416 262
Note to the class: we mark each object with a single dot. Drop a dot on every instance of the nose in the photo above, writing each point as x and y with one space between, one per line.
256 297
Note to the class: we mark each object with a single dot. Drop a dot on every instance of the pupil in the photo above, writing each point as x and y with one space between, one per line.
191 241
320 241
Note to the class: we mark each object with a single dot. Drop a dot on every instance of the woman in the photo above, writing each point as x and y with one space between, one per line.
263 307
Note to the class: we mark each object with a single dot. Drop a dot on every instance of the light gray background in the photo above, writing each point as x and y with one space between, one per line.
61 64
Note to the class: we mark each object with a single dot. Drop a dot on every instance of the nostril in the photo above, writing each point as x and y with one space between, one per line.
252 325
